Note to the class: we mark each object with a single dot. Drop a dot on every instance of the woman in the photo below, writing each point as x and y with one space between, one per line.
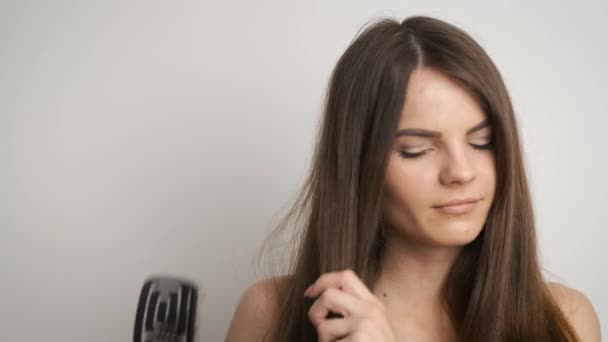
419 223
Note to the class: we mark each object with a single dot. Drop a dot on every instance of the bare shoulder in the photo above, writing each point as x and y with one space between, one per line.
256 311
578 309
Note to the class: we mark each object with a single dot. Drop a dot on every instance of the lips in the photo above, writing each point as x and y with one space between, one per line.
456 202
458 206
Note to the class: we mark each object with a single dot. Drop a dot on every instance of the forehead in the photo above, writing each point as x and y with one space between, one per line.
435 101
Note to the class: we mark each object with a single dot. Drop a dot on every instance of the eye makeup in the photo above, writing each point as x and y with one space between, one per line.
406 155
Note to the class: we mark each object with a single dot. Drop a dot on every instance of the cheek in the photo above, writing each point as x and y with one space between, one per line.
413 179
488 174
407 189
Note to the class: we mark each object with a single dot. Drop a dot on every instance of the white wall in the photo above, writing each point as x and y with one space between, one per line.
140 137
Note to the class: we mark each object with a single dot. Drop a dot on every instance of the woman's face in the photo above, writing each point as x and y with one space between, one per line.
439 155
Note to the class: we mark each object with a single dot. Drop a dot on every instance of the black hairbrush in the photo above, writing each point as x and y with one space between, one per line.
166 311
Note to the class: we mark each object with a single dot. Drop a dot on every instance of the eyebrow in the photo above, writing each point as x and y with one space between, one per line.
419 132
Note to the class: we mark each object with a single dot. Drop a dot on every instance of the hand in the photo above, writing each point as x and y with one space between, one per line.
363 314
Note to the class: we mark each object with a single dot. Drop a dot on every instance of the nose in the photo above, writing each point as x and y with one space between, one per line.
457 168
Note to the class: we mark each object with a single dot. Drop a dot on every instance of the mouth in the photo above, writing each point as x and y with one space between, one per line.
462 206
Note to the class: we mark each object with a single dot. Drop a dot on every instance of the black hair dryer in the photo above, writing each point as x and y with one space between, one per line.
166 311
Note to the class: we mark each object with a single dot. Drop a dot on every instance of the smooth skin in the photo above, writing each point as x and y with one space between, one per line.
422 241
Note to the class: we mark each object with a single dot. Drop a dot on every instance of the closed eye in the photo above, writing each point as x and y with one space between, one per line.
483 147
405 154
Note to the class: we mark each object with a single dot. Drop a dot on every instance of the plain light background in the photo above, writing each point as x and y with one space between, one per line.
145 137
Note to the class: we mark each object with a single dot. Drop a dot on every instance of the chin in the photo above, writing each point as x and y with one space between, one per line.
458 234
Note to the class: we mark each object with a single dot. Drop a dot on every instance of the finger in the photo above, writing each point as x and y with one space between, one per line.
332 300
346 280
331 330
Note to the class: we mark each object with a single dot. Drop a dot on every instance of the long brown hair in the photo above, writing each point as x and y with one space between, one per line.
495 290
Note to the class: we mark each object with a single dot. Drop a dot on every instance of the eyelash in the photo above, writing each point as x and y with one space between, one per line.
404 154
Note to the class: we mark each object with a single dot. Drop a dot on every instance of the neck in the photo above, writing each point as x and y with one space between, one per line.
412 275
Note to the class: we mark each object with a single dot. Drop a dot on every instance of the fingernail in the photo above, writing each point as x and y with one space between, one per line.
307 292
